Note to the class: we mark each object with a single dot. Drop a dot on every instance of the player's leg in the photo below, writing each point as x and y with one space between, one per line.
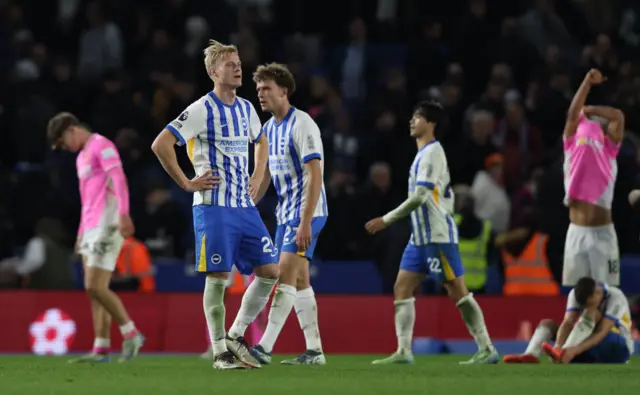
305 304
580 332
604 257
576 261
101 328
97 279
545 332
444 262
216 245
411 274
257 254
306 310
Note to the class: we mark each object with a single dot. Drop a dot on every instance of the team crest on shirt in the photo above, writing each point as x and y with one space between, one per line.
183 117
216 259
311 145
244 123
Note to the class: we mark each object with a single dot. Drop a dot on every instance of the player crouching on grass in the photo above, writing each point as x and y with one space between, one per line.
596 329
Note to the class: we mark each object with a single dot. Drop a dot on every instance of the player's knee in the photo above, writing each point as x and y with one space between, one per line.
94 289
549 324
402 290
270 271
456 289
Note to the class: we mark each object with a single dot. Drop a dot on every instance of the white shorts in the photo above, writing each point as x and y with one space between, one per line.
591 252
101 247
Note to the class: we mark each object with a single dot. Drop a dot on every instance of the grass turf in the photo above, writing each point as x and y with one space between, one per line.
344 374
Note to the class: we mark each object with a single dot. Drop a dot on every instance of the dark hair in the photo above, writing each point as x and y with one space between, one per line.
584 289
58 125
431 110
278 73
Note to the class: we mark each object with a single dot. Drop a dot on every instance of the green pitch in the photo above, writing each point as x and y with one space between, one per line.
352 375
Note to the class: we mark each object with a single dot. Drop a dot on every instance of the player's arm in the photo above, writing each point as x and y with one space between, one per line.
112 165
577 104
571 316
428 171
602 328
309 144
615 130
260 156
179 131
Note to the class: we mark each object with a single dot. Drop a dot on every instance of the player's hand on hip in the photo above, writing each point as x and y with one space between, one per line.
206 181
375 225
125 225
303 236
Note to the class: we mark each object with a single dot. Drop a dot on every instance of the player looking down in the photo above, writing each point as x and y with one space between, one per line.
217 130
596 328
296 166
104 225
433 247
592 138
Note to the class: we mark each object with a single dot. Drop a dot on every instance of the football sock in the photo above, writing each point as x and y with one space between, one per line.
580 332
280 308
255 298
474 319
405 318
214 312
101 345
307 312
541 335
128 330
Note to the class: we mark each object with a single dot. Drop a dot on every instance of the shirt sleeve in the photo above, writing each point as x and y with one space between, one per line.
308 141
616 306
189 123
108 155
429 168
255 126
572 303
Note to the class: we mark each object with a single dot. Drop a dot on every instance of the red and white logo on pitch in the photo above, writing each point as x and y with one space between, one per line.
52 333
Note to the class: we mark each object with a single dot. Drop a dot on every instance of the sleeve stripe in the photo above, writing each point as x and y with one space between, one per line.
259 135
312 156
176 133
426 184
573 309
612 318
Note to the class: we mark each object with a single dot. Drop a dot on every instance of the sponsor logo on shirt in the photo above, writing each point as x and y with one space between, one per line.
176 124
108 153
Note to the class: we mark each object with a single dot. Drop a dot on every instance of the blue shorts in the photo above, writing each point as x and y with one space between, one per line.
612 349
441 261
286 237
227 236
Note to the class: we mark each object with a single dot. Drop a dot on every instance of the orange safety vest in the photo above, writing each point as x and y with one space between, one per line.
529 273
134 259
238 287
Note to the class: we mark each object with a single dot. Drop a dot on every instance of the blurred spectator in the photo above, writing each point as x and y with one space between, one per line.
475 148
134 270
101 46
491 200
45 263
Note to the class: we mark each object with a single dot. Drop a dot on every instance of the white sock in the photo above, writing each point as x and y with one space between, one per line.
128 329
541 335
255 298
580 332
405 319
214 312
474 319
280 309
101 344
307 312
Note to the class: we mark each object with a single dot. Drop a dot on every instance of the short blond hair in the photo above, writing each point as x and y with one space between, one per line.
214 52
278 73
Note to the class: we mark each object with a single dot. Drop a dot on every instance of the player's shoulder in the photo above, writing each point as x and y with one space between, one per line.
197 106
304 120
99 142
615 293
433 149
247 104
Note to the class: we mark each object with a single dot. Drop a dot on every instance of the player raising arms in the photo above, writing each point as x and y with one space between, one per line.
104 224
596 328
217 129
433 247
590 169
296 166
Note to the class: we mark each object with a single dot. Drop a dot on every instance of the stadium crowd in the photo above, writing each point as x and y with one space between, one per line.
505 72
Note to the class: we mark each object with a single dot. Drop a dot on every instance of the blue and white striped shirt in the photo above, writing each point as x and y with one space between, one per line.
292 143
433 221
217 137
